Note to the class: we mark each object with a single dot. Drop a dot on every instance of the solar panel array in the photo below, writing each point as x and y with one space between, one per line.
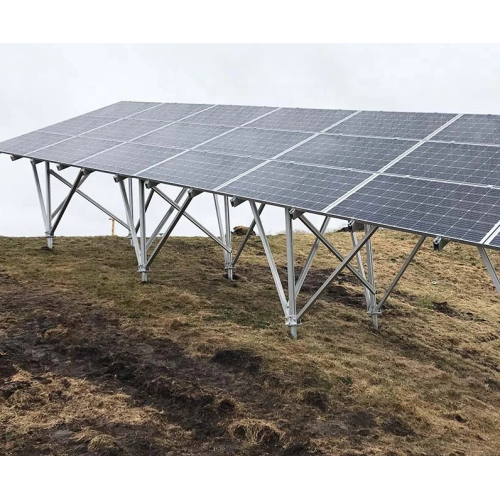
430 173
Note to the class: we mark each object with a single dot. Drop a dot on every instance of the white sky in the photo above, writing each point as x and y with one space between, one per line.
44 84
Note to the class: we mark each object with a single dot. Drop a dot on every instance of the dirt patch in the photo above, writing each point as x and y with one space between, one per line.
238 359
91 362
444 308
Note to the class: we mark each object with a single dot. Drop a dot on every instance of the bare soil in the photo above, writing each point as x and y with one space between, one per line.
94 363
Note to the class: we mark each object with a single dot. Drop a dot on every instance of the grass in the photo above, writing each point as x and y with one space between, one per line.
93 362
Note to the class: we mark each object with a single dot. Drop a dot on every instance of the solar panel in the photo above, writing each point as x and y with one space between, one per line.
300 186
254 142
482 129
435 186
126 129
122 109
70 151
182 135
360 153
29 142
454 211
305 120
200 170
127 159
452 162
393 124
169 112
78 125
231 116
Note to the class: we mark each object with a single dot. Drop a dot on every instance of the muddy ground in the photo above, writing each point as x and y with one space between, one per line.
93 362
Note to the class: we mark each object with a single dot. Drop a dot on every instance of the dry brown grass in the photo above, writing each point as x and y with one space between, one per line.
93 362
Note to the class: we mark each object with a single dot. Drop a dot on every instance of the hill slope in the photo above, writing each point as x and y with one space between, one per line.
93 362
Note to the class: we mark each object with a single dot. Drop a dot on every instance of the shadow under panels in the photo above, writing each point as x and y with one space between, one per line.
454 211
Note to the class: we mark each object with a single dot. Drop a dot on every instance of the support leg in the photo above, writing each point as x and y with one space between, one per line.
270 258
361 267
489 267
339 269
48 207
247 236
311 256
290 264
142 221
371 278
131 205
66 201
229 254
400 273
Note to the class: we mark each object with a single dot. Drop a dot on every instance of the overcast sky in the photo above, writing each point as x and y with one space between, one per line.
44 84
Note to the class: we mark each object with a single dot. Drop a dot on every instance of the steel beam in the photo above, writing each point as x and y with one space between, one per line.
142 222
321 238
371 278
48 208
191 219
171 227
40 196
400 272
247 235
74 187
165 218
270 258
489 267
86 197
229 253
291 319
311 256
339 268
361 267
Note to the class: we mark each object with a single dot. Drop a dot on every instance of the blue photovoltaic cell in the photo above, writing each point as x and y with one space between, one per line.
127 159
482 129
200 170
393 124
254 142
231 116
453 211
78 125
452 162
300 119
26 143
361 153
182 135
123 109
126 129
72 150
170 112
293 185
